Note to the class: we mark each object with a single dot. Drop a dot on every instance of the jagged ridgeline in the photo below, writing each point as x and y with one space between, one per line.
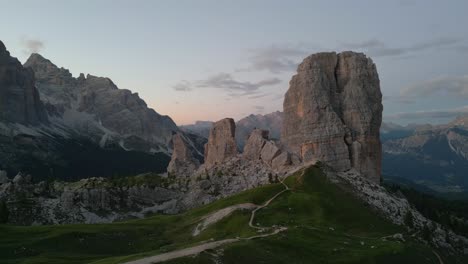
53 125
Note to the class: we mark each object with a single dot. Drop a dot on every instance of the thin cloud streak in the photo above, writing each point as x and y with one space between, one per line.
377 48
227 82
444 113
453 86
277 58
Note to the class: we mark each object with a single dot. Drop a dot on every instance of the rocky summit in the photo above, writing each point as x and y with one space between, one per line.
221 142
19 99
333 112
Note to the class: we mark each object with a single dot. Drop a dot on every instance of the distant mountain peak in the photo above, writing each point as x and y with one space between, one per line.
46 71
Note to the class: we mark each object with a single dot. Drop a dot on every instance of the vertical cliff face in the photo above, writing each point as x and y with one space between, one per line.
19 99
221 142
333 112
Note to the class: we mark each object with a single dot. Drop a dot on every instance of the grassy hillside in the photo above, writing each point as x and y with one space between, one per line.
325 225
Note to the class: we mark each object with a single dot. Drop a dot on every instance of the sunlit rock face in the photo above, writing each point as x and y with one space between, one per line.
19 99
221 142
333 112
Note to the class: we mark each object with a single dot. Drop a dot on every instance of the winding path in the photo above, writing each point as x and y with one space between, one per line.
211 245
252 216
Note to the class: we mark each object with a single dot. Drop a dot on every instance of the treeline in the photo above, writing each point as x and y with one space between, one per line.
449 213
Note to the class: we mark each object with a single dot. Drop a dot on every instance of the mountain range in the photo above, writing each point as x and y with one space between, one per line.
54 125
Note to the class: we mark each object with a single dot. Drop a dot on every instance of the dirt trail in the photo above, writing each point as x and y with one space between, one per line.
211 245
252 216
217 216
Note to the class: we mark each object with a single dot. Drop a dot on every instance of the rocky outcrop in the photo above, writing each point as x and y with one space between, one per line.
259 147
253 147
269 151
244 127
92 200
19 99
221 142
333 112
183 161
271 122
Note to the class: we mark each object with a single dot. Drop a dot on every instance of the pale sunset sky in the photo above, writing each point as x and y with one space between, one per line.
210 59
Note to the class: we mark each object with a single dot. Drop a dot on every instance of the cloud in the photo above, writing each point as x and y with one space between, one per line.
183 86
402 99
445 113
276 58
259 108
285 57
377 48
453 86
31 45
227 82
258 96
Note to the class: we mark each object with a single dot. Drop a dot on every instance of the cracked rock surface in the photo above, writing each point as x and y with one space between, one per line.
333 112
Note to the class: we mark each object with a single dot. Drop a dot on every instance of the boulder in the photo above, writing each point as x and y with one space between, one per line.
281 161
269 152
333 112
271 122
221 142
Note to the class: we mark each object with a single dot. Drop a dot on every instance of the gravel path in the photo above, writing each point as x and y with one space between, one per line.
219 215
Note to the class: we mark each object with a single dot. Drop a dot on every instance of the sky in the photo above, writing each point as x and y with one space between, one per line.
210 59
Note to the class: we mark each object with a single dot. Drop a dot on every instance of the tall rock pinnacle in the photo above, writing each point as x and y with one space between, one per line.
221 142
333 112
